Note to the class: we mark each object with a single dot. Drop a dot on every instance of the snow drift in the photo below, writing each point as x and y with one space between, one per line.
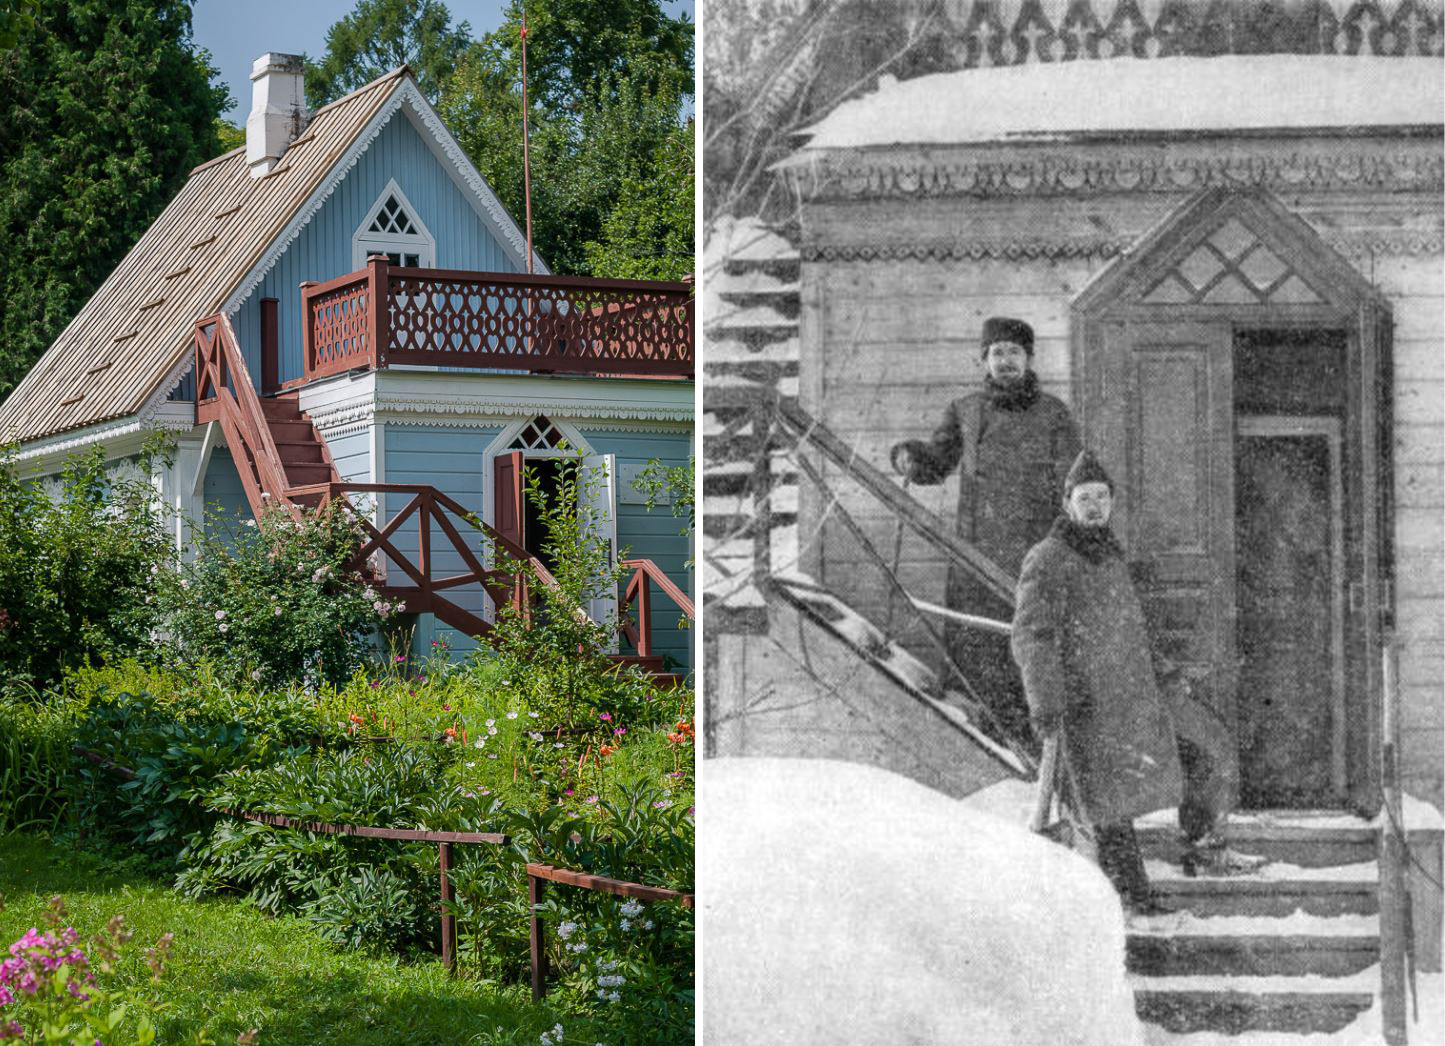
847 904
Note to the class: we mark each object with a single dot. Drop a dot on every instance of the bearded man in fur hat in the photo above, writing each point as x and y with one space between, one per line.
1012 445
1080 640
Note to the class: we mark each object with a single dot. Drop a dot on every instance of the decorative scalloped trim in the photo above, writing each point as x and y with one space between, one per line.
906 173
101 433
169 384
968 251
460 413
1368 244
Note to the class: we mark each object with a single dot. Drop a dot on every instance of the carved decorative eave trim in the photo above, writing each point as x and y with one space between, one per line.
1377 244
459 412
1083 168
968 250
171 417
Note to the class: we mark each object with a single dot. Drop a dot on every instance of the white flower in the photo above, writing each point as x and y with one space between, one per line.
220 615
535 715
470 765
155 570
647 925
250 522
370 593
557 1032
491 755
567 929
558 744
511 715
185 583
148 599
491 731
224 627
377 606
626 924
480 743
256 674
614 981
579 947
491 722
401 607
631 909
535 737
546 1039
276 612
613 996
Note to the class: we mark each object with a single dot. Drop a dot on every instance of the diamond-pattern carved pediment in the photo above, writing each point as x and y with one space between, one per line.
1230 266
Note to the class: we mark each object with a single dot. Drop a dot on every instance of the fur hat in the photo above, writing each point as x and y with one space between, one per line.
1086 469
1001 328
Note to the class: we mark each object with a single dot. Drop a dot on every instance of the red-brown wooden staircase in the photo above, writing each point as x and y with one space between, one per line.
284 462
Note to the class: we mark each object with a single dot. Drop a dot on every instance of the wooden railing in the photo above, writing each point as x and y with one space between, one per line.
645 574
537 874
225 394
434 511
382 316
1394 890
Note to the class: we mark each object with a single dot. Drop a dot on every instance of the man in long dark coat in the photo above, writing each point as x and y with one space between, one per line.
1080 640
1013 445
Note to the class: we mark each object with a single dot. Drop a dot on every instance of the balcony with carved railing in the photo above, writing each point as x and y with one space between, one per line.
384 316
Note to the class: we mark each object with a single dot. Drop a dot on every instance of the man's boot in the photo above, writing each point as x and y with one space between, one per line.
1210 856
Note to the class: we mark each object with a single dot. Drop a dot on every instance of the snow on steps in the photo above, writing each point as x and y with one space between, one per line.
1277 889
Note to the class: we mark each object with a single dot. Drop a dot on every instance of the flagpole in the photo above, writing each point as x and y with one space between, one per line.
526 135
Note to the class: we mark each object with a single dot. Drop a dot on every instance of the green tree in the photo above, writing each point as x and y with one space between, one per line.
379 36
108 106
607 86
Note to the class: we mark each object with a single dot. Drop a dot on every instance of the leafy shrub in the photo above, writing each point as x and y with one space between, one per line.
76 562
152 758
276 603
559 656
359 891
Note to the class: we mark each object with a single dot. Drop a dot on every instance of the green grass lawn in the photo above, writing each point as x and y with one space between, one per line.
233 968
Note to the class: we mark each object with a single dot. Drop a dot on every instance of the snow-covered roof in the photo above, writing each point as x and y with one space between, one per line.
1046 102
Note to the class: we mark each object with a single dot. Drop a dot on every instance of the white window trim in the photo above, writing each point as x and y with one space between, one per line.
363 243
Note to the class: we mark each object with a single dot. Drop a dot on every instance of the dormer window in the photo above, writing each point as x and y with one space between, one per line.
392 228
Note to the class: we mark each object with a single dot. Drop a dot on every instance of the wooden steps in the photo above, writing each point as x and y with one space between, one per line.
305 458
1292 948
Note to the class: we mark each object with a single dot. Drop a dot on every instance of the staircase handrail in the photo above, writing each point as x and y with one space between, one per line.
928 525
1394 893
240 408
645 574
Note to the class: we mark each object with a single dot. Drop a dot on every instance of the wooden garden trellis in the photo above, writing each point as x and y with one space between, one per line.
537 874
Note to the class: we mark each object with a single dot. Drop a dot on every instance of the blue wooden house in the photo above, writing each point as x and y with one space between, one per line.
344 309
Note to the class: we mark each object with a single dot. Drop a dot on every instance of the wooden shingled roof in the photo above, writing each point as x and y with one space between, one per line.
135 330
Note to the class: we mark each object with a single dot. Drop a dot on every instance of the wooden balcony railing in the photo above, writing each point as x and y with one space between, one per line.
383 316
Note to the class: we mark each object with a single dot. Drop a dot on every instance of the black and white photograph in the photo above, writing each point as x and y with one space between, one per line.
1073 423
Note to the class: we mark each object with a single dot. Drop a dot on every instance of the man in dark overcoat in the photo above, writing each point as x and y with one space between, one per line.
1012 445
1080 640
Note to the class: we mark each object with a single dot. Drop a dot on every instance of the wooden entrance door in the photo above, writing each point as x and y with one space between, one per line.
1163 421
1289 511
1155 350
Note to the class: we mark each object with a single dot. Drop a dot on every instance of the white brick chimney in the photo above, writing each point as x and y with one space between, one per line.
278 109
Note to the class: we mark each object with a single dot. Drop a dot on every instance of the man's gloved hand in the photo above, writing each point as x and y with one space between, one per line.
904 457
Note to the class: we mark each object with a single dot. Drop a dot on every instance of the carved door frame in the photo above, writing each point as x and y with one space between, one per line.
1145 301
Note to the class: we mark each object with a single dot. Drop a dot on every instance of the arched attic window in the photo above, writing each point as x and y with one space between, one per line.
393 228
